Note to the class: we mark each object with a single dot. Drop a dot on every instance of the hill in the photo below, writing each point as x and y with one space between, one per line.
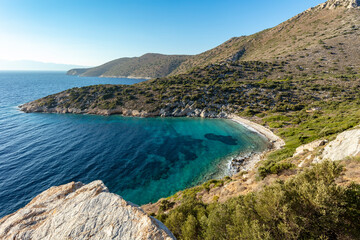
324 38
150 65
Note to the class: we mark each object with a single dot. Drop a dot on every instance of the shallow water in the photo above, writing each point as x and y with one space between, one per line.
141 159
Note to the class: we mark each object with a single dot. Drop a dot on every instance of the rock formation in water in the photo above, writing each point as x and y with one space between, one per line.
78 211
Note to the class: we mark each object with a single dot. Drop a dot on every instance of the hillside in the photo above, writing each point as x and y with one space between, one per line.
150 65
322 39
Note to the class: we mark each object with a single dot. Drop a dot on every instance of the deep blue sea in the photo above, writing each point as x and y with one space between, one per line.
141 159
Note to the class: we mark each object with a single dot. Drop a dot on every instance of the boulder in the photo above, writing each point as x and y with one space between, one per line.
78 211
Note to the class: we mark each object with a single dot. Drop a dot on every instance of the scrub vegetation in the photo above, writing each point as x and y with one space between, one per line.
308 206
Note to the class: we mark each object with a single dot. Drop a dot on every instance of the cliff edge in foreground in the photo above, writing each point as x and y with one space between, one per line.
78 211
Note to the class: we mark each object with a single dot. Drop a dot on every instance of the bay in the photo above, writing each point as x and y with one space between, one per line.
141 159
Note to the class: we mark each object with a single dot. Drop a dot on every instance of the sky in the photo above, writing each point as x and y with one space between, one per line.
92 32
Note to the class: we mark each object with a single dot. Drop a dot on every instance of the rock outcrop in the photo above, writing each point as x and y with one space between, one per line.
78 211
309 147
332 4
346 144
176 111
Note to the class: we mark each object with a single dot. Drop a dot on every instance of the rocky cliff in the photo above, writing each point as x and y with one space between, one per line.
78 211
332 4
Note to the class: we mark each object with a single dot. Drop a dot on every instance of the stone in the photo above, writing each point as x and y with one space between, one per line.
332 4
346 144
78 211
309 147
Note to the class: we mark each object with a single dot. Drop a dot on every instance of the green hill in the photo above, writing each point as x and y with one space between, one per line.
150 65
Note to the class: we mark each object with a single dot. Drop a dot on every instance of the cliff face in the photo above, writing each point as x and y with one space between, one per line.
78 211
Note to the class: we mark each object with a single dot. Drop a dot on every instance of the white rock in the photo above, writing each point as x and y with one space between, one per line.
78 211
346 144
309 147
332 4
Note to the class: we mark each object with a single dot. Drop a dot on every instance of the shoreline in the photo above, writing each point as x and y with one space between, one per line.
241 162
248 162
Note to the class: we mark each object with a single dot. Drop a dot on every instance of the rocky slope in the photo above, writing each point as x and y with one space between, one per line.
78 211
332 4
323 38
150 65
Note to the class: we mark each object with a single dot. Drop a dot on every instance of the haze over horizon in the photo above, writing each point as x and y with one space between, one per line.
90 33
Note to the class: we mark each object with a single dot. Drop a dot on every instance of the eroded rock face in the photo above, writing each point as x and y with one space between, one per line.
332 4
78 211
346 144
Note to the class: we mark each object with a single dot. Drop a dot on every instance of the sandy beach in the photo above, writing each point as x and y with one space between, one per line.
247 163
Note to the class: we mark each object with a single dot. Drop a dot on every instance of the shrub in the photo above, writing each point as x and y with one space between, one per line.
273 167
308 206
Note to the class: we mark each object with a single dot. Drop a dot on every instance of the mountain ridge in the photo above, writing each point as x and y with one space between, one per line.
275 43
306 34
332 4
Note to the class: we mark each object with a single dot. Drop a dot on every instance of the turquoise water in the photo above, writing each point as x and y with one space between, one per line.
141 159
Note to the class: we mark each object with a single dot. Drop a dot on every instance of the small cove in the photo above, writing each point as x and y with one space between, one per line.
141 159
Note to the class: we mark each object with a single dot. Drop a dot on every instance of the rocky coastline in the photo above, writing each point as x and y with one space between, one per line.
170 111
240 163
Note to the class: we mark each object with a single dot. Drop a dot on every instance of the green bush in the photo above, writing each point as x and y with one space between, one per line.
308 206
166 205
273 167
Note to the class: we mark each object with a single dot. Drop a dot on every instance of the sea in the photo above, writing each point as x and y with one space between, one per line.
141 159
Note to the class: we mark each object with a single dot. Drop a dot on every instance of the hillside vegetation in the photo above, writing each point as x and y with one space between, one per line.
150 65
308 206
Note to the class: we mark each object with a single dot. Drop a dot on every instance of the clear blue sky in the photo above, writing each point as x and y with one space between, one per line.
89 32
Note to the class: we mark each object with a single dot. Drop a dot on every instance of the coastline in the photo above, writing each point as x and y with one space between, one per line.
242 162
129 77
249 161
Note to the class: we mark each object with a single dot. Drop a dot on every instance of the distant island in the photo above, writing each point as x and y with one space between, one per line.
29 65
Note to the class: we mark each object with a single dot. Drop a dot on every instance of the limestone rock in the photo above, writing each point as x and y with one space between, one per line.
346 144
78 211
309 147
332 4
